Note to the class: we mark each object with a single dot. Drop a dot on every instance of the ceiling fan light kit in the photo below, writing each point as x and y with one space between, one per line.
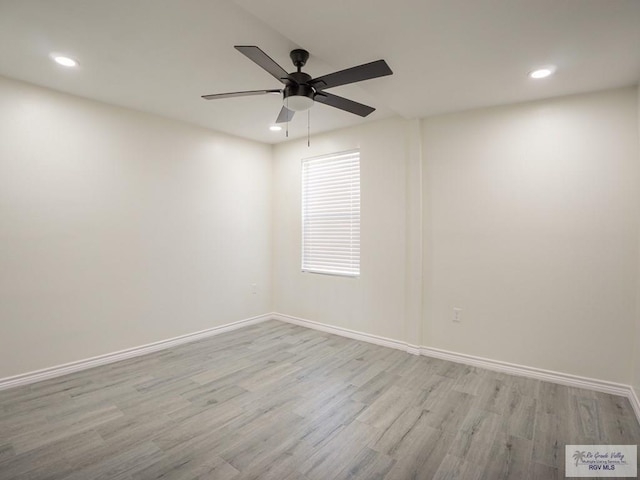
298 97
301 91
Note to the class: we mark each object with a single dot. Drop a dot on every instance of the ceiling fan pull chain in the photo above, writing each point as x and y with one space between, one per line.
308 128
287 117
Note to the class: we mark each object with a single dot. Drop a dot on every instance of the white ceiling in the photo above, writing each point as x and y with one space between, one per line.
447 55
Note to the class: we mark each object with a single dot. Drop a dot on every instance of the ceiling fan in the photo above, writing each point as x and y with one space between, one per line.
301 91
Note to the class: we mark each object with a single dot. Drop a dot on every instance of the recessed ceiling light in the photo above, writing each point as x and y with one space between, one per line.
275 128
64 61
543 72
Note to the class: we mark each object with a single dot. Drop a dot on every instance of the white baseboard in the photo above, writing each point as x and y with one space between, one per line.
635 402
345 332
59 370
531 372
495 365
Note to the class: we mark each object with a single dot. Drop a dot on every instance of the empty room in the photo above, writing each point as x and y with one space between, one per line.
356 239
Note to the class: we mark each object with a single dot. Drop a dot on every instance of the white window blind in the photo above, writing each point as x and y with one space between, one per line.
331 214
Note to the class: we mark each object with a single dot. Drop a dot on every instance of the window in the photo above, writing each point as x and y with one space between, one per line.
331 214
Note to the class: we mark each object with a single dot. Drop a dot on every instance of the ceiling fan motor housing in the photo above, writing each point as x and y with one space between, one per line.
298 95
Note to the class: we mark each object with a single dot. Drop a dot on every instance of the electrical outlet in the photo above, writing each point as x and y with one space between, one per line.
254 288
457 314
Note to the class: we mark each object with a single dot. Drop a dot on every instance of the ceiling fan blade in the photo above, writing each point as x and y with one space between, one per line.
343 104
367 71
239 94
285 115
263 60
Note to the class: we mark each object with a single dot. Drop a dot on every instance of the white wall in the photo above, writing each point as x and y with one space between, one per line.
529 224
119 228
374 302
636 360
531 227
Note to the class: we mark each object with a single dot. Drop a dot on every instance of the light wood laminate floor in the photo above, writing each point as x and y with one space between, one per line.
282 402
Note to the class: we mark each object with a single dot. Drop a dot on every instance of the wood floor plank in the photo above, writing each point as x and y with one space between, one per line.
619 429
53 458
386 408
275 401
539 471
408 429
366 465
519 414
274 467
375 387
420 454
472 380
121 466
614 405
52 432
549 439
587 417
6 452
493 395
449 411
476 436
451 468
509 458
345 446
183 466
